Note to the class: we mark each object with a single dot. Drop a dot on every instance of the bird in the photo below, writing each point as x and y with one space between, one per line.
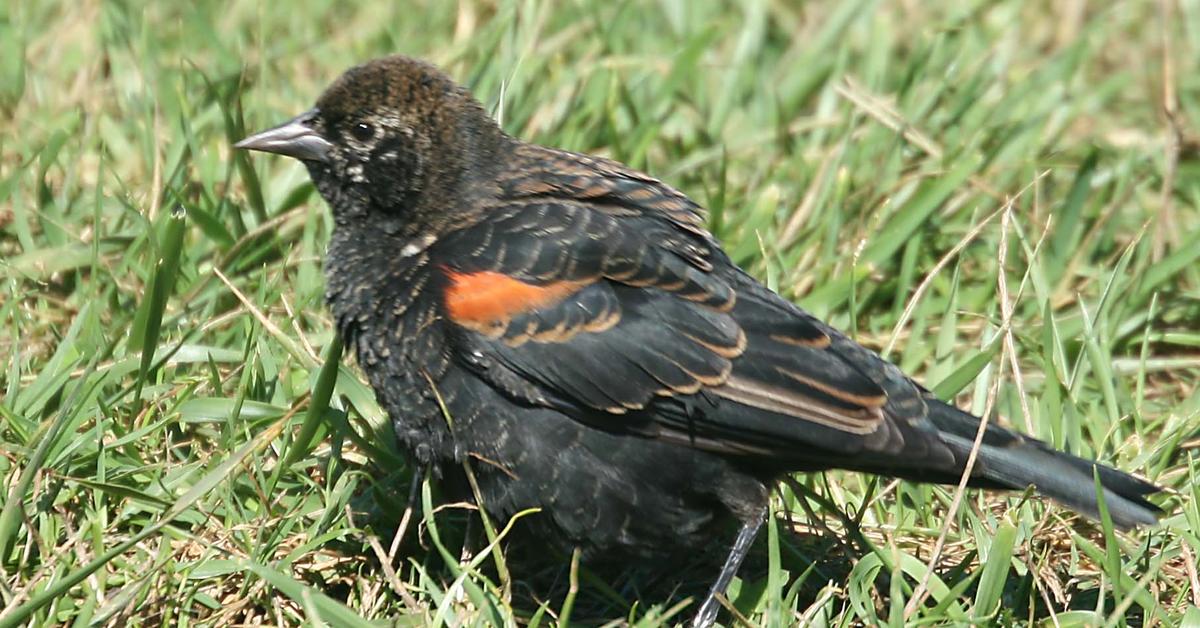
569 325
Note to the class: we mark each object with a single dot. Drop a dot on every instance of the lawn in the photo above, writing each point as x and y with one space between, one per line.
1003 197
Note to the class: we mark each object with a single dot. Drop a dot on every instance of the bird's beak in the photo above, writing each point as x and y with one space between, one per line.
294 138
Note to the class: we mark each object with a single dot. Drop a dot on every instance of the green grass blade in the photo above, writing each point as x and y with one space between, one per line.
995 571
318 404
16 616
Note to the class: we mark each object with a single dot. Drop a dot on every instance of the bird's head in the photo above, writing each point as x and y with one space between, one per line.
391 145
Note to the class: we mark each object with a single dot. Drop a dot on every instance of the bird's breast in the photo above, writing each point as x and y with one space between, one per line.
386 309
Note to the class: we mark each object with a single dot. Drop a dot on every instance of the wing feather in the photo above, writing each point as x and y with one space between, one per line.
623 306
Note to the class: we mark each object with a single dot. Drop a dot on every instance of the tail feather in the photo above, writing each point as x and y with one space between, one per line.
1010 460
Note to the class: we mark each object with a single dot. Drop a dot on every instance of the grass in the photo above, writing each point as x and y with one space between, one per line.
1000 196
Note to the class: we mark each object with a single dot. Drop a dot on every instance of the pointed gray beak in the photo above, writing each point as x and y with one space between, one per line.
294 138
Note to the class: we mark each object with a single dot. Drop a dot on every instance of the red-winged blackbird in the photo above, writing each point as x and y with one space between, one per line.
597 352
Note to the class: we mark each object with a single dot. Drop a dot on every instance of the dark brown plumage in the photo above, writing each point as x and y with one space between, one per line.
593 342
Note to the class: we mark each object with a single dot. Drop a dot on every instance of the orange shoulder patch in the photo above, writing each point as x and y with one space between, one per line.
486 299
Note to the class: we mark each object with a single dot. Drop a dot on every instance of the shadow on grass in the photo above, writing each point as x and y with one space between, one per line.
611 588
616 589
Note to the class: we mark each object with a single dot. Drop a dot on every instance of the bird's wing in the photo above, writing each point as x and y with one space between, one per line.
596 290
590 313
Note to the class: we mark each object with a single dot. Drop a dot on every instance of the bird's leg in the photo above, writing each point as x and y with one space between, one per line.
745 538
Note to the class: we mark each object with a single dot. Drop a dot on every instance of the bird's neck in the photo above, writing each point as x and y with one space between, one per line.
472 153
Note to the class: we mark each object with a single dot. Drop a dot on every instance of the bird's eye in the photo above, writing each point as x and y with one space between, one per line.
362 131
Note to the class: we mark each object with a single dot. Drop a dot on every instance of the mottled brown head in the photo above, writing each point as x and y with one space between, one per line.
392 145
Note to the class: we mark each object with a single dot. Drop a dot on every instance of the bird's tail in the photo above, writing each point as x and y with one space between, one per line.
1009 460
